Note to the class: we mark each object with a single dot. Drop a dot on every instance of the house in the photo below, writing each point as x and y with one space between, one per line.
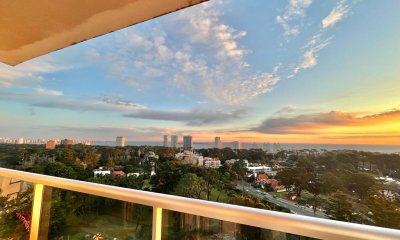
118 173
262 178
101 171
257 168
212 162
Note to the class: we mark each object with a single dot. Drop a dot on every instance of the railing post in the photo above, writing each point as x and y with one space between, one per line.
36 211
157 223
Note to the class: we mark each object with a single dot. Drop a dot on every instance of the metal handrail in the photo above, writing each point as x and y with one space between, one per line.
278 221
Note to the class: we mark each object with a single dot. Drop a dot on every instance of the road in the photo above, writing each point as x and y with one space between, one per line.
292 206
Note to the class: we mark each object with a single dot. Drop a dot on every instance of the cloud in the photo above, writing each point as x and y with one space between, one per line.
336 15
29 74
319 40
203 57
48 92
312 122
104 133
286 109
290 19
122 103
15 96
300 123
194 117
104 104
310 55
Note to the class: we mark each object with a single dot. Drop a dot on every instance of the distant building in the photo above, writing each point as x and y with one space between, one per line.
211 162
262 178
136 174
120 141
67 142
166 142
187 143
236 145
101 172
200 160
150 156
260 168
50 144
218 143
174 141
20 141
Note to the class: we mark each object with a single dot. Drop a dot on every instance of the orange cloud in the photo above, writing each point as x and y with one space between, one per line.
334 127
315 123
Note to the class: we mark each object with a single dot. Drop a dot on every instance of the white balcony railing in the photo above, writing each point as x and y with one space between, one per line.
283 222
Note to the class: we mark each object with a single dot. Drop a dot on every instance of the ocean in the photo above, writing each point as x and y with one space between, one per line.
273 147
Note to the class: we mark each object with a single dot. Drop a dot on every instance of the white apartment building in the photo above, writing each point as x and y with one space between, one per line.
120 141
101 172
211 162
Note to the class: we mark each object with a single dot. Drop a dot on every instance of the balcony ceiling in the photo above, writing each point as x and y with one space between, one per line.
31 28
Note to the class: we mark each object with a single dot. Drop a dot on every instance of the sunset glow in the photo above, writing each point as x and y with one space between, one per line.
249 71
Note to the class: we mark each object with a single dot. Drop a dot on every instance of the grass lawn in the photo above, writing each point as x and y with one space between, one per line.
279 194
224 198
146 184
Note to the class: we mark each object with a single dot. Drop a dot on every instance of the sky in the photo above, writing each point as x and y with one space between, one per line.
296 71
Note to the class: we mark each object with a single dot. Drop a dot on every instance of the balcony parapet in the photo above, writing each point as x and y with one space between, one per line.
278 221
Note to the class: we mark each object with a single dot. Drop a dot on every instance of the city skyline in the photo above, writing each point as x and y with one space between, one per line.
289 72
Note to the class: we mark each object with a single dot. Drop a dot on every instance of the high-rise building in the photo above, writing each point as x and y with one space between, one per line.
174 141
166 142
236 145
187 143
67 142
218 143
120 141
51 144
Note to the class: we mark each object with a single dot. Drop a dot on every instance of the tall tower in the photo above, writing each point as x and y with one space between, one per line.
187 143
174 141
218 143
120 141
237 145
166 141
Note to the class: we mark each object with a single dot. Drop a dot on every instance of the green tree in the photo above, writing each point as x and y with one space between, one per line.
385 212
60 170
10 225
167 177
67 155
191 186
339 207
360 183
211 178
316 187
91 157
239 167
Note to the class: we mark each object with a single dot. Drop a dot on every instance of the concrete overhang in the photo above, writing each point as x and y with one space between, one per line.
31 28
